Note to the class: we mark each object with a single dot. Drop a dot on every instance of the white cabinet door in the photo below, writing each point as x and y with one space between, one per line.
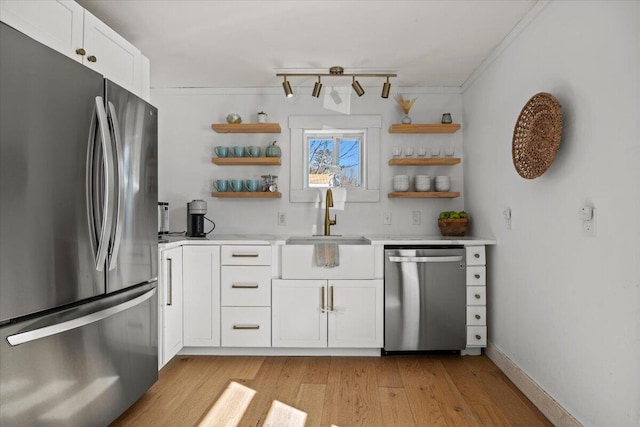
171 277
355 313
201 296
57 24
111 55
298 319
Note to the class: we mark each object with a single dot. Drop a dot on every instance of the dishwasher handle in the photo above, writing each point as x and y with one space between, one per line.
456 258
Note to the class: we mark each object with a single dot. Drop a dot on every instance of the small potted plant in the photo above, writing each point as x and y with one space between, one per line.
262 117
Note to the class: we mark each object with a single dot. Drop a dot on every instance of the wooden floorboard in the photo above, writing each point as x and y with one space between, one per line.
412 390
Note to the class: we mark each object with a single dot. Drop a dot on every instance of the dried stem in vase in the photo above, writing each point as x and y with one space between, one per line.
404 103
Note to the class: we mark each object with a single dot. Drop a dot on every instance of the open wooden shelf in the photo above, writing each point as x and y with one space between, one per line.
246 127
239 161
424 128
424 195
423 161
247 194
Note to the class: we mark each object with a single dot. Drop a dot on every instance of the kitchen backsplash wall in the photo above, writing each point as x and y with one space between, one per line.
186 143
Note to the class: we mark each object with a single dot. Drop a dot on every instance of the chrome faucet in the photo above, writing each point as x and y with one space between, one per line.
328 222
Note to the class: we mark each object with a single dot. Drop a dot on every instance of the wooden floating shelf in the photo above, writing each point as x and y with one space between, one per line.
424 128
424 195
246 127
426 161
247 194
238 161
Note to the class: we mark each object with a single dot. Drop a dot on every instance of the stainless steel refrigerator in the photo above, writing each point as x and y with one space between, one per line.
78 240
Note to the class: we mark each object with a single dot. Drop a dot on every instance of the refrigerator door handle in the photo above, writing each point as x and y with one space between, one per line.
119 164
67 325
109 196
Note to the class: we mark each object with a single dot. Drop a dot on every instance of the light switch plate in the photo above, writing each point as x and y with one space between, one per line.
386 218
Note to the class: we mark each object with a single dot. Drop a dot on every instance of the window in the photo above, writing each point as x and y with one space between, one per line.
335 151
334 158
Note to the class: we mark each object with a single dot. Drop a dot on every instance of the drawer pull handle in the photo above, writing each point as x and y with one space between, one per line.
477 276
241 286
245 255
477 296
92 58
478 337
476 255
248 327
80 51
478 316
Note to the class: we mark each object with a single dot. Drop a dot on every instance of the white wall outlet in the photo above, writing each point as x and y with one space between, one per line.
589 225
386 218
507 218
415 217
282 218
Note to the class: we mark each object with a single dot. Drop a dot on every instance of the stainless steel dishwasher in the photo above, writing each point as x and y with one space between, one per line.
424 298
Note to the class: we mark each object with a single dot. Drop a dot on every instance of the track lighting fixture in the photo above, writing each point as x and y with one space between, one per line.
385 89
317 88
287 88
356 86
337 72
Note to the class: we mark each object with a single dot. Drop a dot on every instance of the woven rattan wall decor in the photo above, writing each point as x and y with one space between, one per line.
536 136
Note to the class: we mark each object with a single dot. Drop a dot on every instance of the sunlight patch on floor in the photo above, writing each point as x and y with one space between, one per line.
230 407
281 415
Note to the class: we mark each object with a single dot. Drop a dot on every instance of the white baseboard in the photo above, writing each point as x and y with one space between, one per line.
543 401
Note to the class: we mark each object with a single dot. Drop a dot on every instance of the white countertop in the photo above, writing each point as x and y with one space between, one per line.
170 241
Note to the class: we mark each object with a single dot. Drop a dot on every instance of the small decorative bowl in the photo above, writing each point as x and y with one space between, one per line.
234 118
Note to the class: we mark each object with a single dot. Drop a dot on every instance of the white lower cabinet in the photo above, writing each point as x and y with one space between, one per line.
476 297
201 281
246 327
170 297
333 313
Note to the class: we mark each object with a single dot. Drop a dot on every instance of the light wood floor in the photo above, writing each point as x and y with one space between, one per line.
340 391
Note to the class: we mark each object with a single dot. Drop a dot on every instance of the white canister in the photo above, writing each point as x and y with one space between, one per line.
443 183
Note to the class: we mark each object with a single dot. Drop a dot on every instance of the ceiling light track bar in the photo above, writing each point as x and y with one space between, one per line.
334 75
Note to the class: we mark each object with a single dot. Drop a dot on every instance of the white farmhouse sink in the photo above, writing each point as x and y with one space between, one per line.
341 240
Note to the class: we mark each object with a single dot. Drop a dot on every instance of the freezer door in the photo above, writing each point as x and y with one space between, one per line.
47 108
80 367
134 240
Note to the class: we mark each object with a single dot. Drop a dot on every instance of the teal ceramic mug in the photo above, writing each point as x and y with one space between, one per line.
253 151
252 184
222 151
236 184
238 151
221 185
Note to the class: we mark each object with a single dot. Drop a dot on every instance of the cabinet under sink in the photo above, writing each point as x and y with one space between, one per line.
354 262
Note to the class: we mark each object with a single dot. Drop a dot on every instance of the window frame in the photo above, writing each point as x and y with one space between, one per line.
370 124
337 136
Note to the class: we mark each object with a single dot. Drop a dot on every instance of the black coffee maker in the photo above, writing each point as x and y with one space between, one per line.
196 209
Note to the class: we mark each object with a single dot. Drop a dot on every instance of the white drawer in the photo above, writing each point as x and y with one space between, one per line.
475 255
476 295
476 276
245 286
245 255
476 336
246 327
477 315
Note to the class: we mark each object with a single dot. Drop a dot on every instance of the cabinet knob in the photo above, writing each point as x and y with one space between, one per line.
478 316
478 337
477 296
92 58
477 276
476 255
80 51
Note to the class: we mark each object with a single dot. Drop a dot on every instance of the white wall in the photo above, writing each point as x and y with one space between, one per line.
186 144
564 307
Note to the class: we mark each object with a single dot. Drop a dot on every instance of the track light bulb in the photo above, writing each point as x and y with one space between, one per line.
356 86
317 88
386 88
287 88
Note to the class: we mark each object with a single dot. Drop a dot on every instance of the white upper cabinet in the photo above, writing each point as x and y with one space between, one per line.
57 24
66 27
109 54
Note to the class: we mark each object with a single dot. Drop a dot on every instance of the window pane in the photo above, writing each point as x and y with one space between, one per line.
334 161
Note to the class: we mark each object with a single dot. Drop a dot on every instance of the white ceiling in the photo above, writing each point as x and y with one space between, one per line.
244 43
